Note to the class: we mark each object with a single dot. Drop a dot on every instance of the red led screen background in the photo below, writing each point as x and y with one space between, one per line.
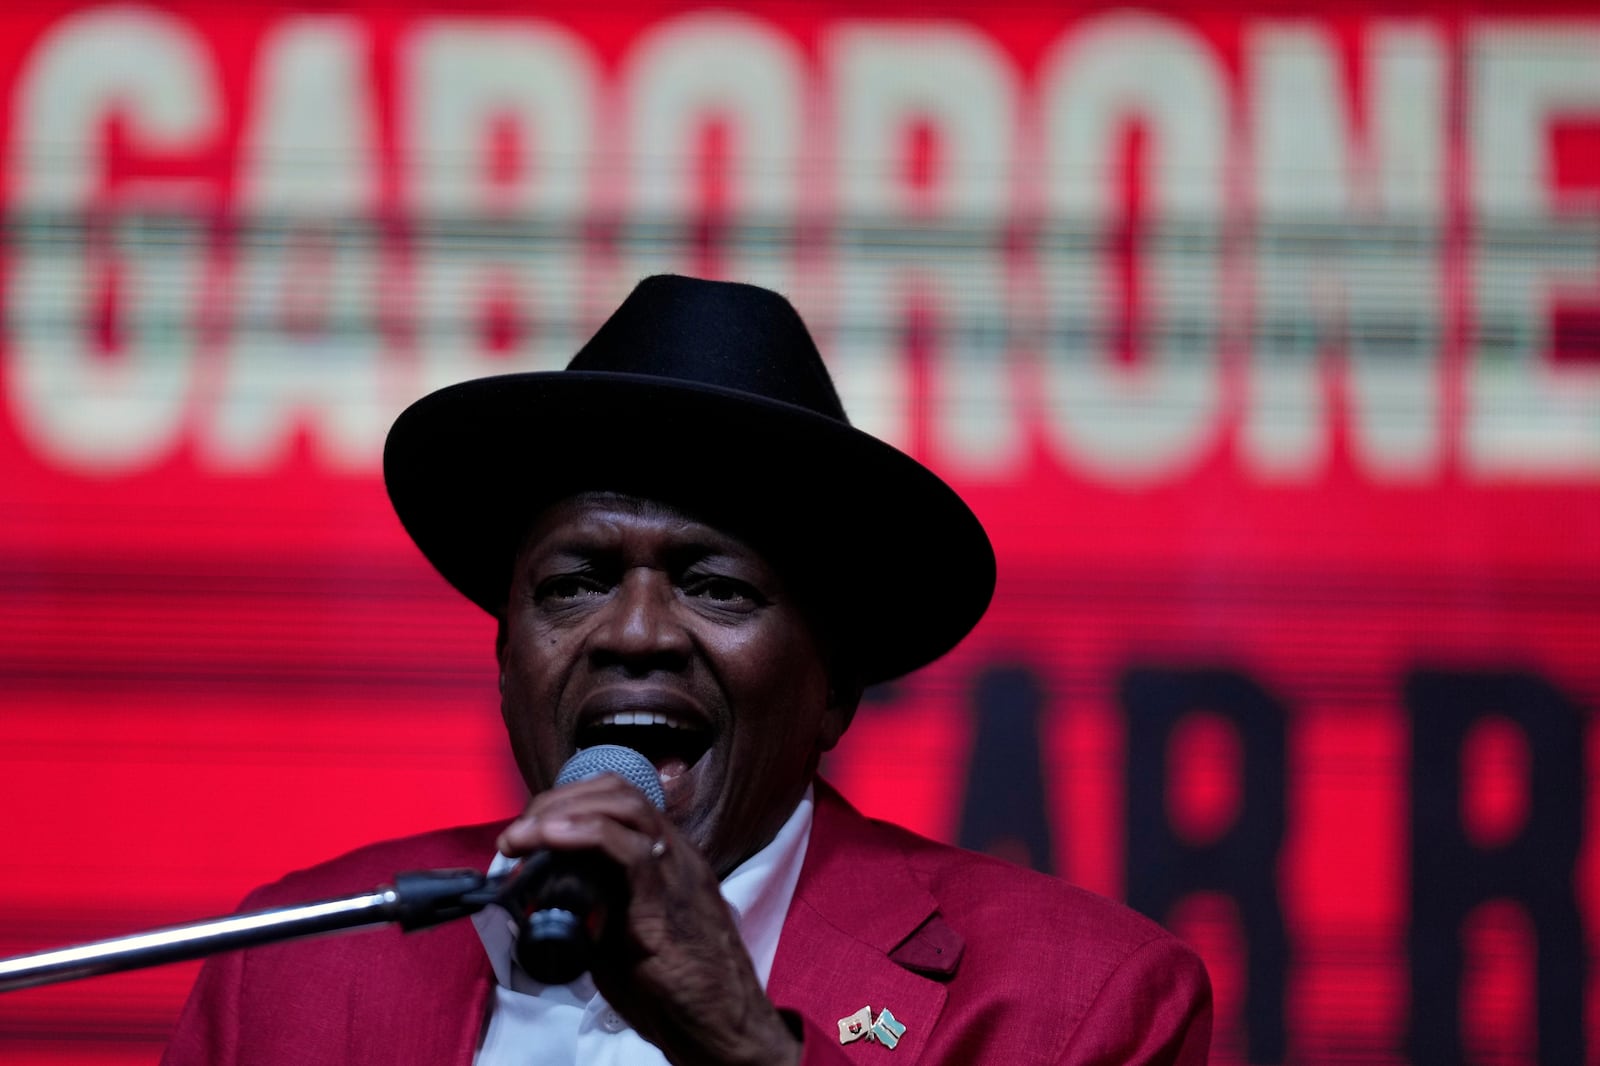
1265 342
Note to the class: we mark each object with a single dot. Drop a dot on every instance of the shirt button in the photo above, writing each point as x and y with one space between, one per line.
612 1022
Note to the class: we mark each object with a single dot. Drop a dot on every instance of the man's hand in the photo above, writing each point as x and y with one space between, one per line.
672 963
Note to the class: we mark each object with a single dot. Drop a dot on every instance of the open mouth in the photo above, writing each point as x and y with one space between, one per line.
672 745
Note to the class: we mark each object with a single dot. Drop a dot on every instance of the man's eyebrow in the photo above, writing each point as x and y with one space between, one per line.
698 551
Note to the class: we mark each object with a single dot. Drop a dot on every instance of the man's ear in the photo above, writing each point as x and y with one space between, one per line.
843 699
500 638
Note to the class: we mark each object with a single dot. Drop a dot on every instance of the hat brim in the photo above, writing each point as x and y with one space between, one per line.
905 563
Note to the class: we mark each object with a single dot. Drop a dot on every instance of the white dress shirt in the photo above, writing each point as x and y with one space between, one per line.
552 1025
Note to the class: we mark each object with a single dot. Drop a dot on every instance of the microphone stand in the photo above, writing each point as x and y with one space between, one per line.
416 900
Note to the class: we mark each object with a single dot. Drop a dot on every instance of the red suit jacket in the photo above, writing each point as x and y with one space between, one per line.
984 962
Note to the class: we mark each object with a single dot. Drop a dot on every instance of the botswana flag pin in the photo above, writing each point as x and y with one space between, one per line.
888 1029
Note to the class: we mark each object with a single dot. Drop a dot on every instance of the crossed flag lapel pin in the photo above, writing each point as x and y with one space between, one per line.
886 1029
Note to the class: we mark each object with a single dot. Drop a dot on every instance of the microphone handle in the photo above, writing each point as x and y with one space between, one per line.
561 912
560 901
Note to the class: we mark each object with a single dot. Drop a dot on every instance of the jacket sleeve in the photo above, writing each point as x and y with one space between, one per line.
1154 1009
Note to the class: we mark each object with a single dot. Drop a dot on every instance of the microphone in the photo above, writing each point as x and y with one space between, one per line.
559 899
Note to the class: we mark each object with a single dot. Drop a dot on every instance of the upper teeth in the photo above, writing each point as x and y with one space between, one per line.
641 718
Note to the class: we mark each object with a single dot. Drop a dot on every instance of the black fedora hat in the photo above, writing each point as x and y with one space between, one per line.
709 396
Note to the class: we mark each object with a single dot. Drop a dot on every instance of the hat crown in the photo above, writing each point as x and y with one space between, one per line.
719 333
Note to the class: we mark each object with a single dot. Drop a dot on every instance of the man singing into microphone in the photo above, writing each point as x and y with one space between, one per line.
692 554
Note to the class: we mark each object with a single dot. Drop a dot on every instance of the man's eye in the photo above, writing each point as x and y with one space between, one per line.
568 587
723 591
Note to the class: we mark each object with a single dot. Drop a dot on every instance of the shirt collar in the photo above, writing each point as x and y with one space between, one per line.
758 892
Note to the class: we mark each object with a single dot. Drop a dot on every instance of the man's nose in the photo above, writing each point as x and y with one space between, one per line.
640 628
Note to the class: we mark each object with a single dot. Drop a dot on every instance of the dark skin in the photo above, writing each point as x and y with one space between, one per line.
621 607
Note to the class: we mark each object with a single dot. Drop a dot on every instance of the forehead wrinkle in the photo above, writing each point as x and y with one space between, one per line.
588 531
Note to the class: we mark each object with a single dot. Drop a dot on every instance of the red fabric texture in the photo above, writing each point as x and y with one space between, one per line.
1042 972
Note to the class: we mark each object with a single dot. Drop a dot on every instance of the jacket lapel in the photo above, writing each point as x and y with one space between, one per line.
862 931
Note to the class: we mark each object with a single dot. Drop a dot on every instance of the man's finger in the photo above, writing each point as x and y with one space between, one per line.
545 822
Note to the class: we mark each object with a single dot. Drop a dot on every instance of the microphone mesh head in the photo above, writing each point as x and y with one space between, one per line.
626 763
